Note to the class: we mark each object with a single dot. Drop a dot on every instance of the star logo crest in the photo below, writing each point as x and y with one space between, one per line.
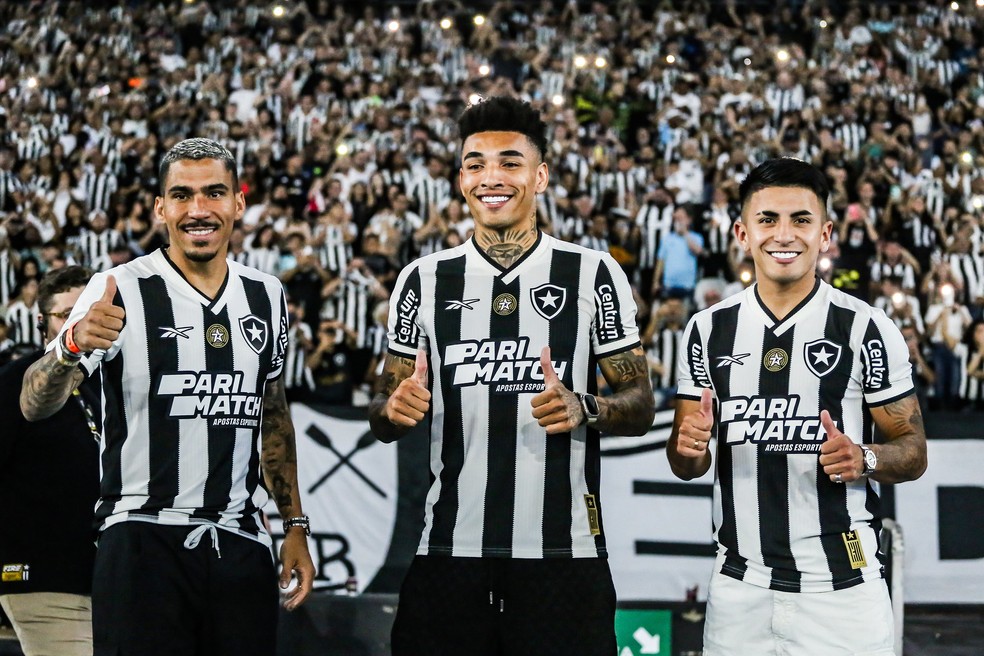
821 356
548 300
256 331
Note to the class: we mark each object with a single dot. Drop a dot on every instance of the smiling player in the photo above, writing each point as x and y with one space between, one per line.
788 375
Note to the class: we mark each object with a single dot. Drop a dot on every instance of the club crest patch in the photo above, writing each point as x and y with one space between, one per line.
255 331
822 356
548 300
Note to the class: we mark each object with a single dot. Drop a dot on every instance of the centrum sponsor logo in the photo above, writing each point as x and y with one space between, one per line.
697 368
219 397
406 311
774 422
877 366
508 366
608 324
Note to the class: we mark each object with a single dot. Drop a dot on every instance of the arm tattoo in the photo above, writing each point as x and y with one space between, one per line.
279 455
902 457
47 385
630 410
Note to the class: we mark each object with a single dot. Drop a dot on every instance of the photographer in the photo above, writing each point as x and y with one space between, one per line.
947 320
330 363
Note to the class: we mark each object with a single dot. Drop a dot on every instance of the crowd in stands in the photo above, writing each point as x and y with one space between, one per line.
342 118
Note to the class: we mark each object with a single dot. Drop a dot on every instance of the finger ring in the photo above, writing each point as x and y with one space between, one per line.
696 444
838 478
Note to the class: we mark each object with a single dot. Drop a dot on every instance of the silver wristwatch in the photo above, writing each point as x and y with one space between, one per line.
870 460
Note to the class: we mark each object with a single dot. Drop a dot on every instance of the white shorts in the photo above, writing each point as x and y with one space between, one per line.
746 620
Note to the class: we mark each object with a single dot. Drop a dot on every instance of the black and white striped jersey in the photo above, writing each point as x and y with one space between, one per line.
182 395
22 321
501 486
779 521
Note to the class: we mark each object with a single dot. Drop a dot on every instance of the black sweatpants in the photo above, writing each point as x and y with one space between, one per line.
151 596
506 607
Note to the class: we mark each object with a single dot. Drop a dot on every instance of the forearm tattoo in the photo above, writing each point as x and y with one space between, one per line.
279 455
903 456
47 385
630 410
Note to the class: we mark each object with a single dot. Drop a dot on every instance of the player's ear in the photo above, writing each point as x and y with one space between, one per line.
741 234
828 229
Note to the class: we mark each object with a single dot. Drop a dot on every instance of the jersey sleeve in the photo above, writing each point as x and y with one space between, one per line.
91 294
280 343
615 328
885 368
691 364
403 326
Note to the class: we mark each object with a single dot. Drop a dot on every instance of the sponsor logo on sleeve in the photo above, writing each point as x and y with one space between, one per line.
876 361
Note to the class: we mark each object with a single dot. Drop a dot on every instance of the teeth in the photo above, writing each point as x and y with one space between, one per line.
784 256
494 199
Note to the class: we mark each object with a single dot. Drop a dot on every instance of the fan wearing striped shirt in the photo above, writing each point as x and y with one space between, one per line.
493 347
789 376
191 349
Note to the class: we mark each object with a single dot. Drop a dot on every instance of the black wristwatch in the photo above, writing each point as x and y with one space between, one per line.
301 520
589 404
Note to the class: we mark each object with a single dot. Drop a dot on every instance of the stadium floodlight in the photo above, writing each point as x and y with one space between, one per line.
670 59
824 263
393 25
342 149
279 11
600 62
479 19
782 55
32 82
955 6
557 100
446 23
580 61
484 70
745 276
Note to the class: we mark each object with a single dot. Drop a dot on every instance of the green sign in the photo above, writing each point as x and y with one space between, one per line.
643 632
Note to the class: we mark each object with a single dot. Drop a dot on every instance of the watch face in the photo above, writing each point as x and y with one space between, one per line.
870 459
590 405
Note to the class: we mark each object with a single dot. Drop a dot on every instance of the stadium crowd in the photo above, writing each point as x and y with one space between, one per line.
342 118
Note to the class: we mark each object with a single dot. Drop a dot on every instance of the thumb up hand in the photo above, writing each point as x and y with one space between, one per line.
409 403
841 459
556 408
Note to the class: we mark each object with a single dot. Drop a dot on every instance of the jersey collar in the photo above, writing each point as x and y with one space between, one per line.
788 319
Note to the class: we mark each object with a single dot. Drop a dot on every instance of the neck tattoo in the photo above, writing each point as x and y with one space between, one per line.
507 246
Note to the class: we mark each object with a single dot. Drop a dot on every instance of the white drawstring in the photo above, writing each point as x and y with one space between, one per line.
196 536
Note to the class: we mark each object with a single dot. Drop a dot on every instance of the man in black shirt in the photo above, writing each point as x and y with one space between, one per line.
47 548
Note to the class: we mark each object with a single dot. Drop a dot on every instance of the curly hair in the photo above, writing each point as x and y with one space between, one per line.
505 114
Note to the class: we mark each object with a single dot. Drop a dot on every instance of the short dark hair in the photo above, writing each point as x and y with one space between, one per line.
58 281
198 148
505 114
785 172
